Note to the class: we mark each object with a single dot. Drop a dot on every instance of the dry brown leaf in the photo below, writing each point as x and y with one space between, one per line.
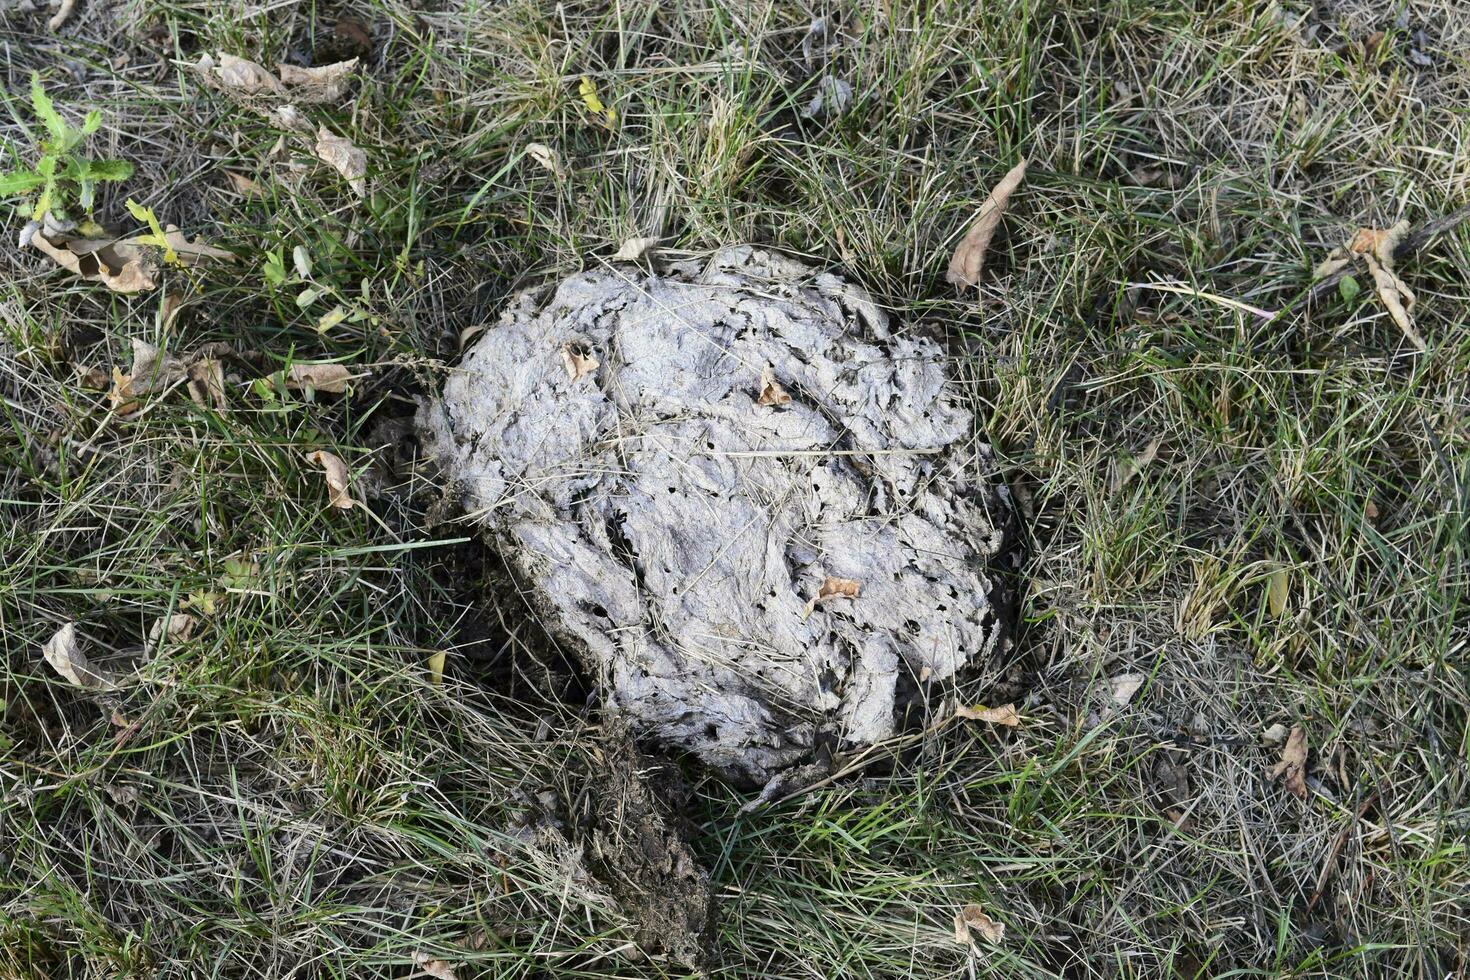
337 479
1374 248
332 379
1275 735
577 364
1125 686
1006 714
153 370
121 267
973 917
343 156
1292 769
434 968
969 258
547 157
289 118
177 627
833 588
64 654
634 249
207 384
190 253
63 13
326 83
91 377
244 186
237 76
772 394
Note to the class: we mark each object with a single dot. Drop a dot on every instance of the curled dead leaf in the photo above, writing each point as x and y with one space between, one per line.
343 156
1373 248
634 249
176 628
120 267
832 588
207 384
337 479
972 919
438 969
1006 714
237 76
547 158
968 260
1292 769
1125 686
325 83
578 364
333 379
772 394
64 654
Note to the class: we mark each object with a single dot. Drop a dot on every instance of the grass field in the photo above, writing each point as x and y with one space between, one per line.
1265 518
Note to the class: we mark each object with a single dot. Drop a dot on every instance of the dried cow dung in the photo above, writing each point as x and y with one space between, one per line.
765 521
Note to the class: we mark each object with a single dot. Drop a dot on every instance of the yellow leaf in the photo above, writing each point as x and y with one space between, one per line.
1277 592
436 667
588 91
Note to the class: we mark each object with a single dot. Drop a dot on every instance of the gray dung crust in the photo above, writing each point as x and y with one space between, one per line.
675 524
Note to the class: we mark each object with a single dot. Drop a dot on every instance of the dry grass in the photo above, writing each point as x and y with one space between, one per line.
288 795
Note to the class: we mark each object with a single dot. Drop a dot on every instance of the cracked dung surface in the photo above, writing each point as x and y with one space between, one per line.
610 439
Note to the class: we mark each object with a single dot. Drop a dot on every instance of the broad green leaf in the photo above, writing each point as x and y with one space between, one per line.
19 182
45 111
106 169
1348 289
274 267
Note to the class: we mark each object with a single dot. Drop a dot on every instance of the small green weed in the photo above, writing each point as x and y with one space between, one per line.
60 176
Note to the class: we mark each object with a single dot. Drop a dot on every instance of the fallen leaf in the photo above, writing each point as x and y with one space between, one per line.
973 917
588 90
434 968
244 186
577 364
772 394
342 155
1125 686
1292 769
91 377
337 479
436 667
64 654
969 258
1275 735
153 370
205 602
207 384
332 379
833 97
177 627
1277 592
289 118
547 157
118 266
1124 470
237 76
832 588
192 253
1373 248
1006 714
325 83
634 249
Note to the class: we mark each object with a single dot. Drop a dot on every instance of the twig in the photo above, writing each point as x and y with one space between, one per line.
1412 243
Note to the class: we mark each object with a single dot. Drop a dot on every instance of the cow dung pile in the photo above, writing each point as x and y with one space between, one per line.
764 520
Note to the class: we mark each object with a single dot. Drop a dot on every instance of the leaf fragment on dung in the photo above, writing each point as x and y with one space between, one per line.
832 588
771 393
577 363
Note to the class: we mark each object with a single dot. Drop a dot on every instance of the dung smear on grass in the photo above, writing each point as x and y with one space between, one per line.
680 464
